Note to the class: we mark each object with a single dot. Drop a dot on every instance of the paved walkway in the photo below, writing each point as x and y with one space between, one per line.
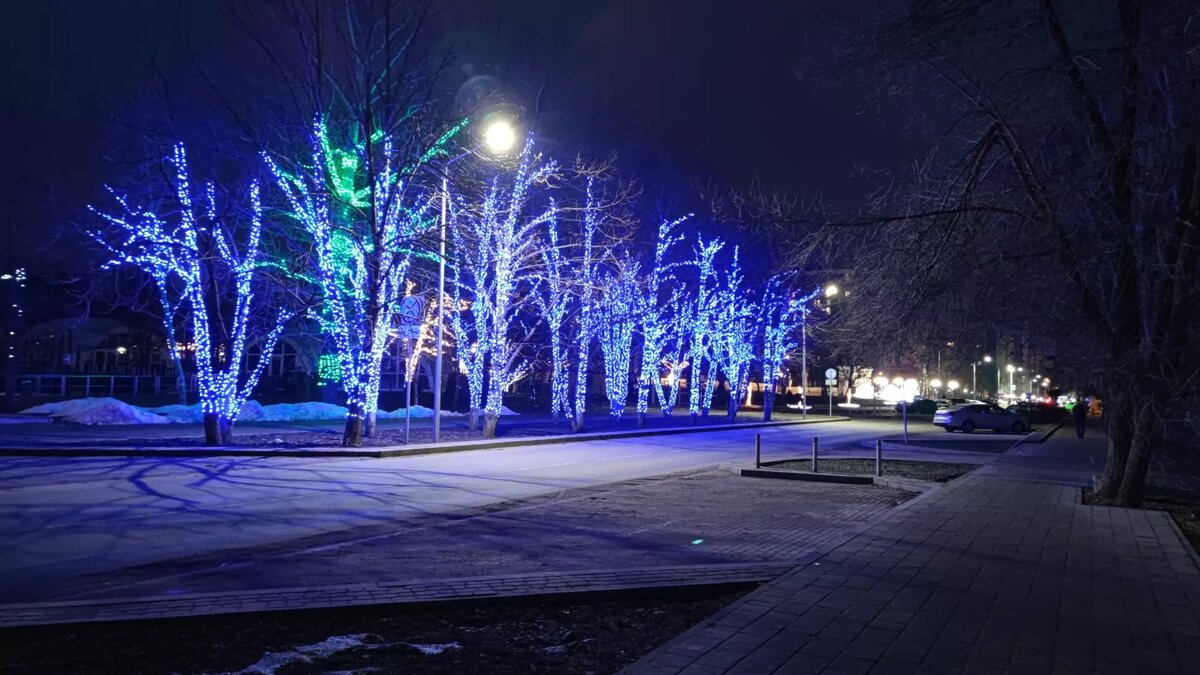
1003 571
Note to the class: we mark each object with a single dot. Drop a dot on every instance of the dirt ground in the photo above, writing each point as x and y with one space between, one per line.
600 635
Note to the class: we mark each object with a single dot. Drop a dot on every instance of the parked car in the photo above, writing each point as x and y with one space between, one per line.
974 416
921 406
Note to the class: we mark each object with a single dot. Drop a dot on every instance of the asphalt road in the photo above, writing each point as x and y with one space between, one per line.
61 519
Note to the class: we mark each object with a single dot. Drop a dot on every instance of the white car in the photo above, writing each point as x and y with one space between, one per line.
974 416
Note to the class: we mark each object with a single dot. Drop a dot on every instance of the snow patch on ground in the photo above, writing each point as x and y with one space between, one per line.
432 650
504 410
417 411
271 662
113 411
96 411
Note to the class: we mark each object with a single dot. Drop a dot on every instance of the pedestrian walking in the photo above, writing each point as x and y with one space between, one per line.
1080 413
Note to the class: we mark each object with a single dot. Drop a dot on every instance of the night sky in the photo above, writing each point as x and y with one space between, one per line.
681 89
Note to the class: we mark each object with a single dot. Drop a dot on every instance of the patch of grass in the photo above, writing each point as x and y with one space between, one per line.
1186 514
939 472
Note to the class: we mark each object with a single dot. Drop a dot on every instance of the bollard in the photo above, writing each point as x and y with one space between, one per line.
878 458
814 459
757 450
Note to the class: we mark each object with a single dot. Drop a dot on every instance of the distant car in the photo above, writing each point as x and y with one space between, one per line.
921 406
972 416
1039 412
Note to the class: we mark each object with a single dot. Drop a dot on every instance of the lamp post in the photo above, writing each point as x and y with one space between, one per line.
498 137
804 362
1011 369
974 380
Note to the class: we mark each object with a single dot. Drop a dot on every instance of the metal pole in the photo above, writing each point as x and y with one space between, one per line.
974 384
757 450
879 458
904 413
804 364
407 389
814 459
437 359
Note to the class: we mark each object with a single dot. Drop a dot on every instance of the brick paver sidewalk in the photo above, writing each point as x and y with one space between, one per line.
1003 571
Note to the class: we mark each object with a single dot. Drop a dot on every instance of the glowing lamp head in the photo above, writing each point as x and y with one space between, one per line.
952 384
831 290
880 380
935 383
897 380
1011 368
987 359
121 350
499 136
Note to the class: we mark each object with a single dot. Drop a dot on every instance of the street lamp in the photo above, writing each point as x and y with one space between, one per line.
1011 369
499 136
831 290
936 384
974 380
952 385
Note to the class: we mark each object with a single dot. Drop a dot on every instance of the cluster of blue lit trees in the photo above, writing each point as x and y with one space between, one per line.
539 283
537 294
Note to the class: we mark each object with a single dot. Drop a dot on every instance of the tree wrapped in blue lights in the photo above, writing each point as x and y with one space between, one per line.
780 314
657 317
469 319
555 299
733 335
363 207
701 329
191 260
586 291
620 305
509 227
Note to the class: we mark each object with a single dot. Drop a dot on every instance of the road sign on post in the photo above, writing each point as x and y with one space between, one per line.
831 380
410 317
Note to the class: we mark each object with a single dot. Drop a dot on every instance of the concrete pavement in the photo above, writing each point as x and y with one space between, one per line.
62 519
1002 571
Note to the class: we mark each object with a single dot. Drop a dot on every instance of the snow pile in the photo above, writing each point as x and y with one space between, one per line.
291 412
271 662
432 650
417 411
192 414
113 411
96 411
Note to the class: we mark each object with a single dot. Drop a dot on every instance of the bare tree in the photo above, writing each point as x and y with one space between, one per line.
1066 170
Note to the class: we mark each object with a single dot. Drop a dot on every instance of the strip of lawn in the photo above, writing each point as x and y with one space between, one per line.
939 472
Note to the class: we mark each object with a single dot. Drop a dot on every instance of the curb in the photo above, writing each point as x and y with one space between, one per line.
1183 540
415 592
808 476
909 484
394 451
1045 435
